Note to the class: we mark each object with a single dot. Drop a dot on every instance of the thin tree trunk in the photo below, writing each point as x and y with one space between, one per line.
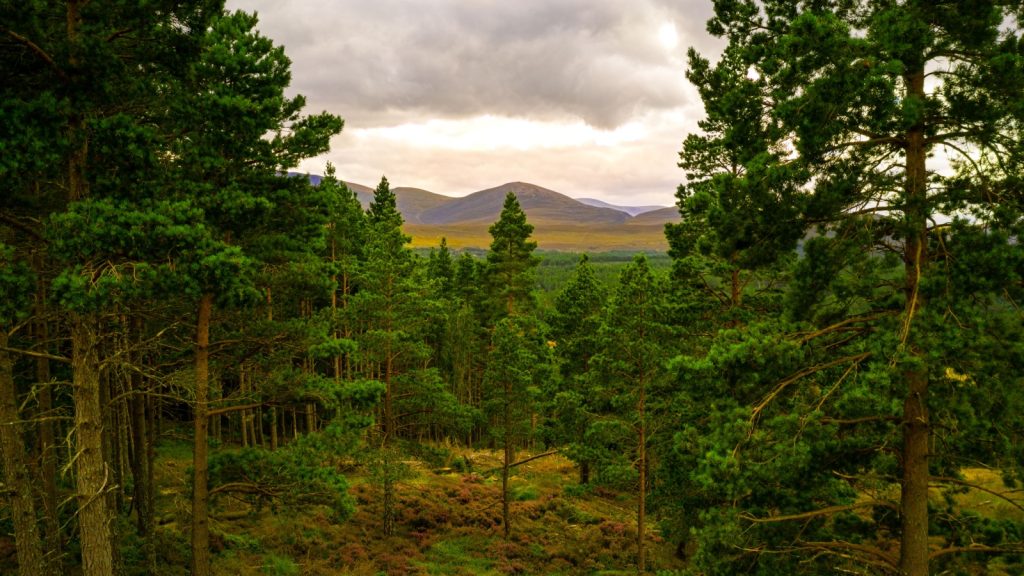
151 412
16 474
916 428
93 475
273 428
200 489
507 461
47 444
139 460
584 473
243 415
641 507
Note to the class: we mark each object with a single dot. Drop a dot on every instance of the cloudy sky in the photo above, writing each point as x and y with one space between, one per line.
586 97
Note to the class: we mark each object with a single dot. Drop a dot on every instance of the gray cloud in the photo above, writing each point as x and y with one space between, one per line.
384 62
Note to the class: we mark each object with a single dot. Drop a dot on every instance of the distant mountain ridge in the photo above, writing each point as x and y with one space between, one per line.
567 223
631 210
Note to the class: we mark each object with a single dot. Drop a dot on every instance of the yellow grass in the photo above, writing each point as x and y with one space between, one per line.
549 236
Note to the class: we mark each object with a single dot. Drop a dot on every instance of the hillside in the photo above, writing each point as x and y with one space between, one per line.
414 202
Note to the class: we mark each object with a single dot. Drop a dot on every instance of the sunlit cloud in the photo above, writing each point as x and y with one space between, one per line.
489 132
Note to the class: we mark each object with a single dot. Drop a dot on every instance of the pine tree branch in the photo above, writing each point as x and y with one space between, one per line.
523 461
888 560
532 458
835 327
21 226
855 421
802 374
38 51
980 548
816 513
228 409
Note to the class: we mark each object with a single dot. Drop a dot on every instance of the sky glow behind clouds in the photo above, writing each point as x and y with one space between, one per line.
586 97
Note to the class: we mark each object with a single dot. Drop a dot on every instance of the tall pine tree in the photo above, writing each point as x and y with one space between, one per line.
842 134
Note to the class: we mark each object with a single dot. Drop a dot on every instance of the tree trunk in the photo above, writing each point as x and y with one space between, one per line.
507 462
200 490
641 507
16 475
139 460
584 473
47 444
92 472
273 428
916 429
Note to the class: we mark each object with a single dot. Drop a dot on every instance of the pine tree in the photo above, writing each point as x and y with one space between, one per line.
839 127
395 307
512 365
229 168
575 325
632 366
510 261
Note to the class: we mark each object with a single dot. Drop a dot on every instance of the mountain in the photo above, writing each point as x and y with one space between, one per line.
659 216
413 203
540 204
631 210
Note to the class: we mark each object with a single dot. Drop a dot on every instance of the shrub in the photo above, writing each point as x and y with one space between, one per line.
274 565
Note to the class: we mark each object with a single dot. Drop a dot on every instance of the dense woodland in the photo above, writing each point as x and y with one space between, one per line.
826 378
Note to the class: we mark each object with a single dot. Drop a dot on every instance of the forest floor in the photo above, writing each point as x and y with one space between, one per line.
448 522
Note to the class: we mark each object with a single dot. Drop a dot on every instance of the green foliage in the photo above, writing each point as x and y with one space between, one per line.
274 565
16 284
511 262
515 364
302 473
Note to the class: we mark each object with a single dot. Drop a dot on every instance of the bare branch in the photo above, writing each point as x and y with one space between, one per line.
1001 495
33 354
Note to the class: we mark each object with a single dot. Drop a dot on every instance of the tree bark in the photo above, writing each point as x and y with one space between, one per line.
641 507
47 444
93 475
200 489
507 462
139 460
16 474
916 429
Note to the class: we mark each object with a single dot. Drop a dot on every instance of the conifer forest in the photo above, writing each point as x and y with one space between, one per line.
212 363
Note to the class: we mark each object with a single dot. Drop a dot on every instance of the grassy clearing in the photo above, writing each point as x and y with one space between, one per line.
993 499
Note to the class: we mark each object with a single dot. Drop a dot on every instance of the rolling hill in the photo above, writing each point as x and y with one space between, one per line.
560 222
